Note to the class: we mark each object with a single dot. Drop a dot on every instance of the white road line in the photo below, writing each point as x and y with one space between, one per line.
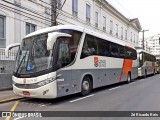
82 98
115 88
132 83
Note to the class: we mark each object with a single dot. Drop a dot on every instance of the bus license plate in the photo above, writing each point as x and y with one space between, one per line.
26 93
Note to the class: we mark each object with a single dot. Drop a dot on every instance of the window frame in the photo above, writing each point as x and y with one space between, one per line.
96 19
3 38
75 8
104 23
30 27
88 13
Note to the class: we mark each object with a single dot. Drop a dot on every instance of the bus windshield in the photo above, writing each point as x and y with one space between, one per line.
33 55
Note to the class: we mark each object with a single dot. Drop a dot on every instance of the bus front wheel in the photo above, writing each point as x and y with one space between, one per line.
86 86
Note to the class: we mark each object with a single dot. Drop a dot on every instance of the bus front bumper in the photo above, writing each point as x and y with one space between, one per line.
47 91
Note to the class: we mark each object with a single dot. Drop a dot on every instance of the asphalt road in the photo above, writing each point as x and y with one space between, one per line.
139 95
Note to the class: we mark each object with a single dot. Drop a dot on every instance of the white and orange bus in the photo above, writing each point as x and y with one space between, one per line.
68 59
147 63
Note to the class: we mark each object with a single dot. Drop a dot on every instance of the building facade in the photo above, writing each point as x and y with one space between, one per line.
21 17
153 45
101 16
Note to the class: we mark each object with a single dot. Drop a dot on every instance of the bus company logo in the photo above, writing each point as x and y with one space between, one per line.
99 63
24 80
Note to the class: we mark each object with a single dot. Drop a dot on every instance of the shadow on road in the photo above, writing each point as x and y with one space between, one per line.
60 100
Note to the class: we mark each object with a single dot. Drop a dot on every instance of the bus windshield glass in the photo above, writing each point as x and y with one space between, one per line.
33 55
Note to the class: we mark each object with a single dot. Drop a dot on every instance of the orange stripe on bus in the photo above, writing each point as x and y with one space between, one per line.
127 66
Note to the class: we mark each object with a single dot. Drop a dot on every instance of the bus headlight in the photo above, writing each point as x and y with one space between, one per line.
45 82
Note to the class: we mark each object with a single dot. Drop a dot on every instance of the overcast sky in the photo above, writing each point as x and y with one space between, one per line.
147 11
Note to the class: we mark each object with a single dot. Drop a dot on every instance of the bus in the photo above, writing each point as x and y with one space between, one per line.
147 63
68 59
158 64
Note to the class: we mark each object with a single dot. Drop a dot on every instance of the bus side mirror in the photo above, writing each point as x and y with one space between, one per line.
9 47
52 37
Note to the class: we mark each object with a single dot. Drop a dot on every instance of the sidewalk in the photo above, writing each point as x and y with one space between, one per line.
8 96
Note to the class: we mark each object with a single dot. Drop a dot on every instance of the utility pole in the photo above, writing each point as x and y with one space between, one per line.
53 12
143 37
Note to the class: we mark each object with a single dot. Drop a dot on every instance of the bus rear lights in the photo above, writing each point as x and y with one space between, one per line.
27 93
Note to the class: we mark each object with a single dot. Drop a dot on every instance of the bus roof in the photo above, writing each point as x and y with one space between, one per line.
81 29
142 50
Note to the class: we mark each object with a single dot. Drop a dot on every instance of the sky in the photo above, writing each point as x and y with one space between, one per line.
147 11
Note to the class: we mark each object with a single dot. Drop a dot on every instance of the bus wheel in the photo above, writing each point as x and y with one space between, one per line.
86 86
129 78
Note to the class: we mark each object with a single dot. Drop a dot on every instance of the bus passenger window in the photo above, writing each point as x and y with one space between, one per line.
63 52
114 50
121 52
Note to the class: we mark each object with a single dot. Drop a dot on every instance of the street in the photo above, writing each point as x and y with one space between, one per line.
140 95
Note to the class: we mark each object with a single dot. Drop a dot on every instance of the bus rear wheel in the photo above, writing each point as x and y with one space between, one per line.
86 86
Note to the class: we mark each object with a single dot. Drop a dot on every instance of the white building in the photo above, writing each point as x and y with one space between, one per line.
20 17
153 45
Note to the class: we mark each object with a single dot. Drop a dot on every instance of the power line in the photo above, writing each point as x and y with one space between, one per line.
124 8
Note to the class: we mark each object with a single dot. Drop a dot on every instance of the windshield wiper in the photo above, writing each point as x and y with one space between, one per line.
21 61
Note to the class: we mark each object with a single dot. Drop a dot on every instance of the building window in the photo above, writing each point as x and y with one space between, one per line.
59 3
75 7
137 40
104 23
116 30
131 36
88 13
96 19
111 27
30 28
122 33
2 32
126 35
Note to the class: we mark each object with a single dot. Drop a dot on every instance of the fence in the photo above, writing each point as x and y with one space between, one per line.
6 68
7 64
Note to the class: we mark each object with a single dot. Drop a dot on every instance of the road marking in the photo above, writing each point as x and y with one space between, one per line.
132 83
6 100
82 98
115 88
13 108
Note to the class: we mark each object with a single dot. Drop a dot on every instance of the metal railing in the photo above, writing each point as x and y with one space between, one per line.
7 64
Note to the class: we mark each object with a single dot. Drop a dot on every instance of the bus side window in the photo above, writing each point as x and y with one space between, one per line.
89 47
103 48
64 57
114 50
121 51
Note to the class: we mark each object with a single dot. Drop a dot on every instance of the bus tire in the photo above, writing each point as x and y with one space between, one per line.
86 86
129 78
